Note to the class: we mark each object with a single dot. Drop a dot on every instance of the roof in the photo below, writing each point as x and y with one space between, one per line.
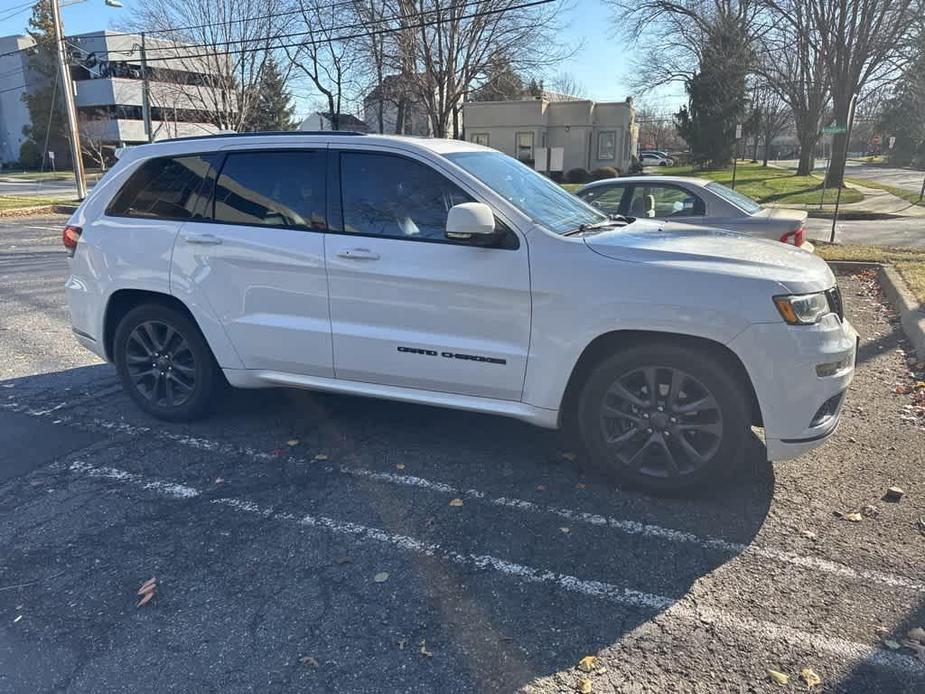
690 180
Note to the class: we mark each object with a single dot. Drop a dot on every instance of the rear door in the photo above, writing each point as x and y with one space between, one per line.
411 308
255 261
666 201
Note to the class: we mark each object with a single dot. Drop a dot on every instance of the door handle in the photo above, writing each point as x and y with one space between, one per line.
358 254
202 239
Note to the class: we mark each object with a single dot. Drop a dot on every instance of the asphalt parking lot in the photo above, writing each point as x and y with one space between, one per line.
310 542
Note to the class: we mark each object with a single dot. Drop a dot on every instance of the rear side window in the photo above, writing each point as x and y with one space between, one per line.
165 188
272 189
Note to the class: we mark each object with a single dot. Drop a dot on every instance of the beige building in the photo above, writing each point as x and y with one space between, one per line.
576 134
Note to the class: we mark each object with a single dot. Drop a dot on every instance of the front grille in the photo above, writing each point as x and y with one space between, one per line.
833 296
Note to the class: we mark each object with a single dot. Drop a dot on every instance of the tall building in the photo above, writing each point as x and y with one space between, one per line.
188 94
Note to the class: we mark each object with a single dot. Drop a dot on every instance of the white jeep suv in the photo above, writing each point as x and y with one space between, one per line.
446 273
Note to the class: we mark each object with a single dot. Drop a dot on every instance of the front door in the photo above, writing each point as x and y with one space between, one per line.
255 263
410 308
665 201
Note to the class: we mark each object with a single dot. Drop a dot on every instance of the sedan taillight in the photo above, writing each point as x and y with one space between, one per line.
69 238
795 237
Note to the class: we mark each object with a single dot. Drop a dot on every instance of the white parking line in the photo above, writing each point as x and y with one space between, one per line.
682 609
629 527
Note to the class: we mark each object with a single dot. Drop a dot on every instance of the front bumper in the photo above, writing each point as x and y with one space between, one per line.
784 363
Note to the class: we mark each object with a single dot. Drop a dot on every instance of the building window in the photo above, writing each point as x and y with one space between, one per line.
607 145
480 139
525 146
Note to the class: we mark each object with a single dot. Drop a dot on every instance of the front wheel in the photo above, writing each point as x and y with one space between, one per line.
662 417
164 363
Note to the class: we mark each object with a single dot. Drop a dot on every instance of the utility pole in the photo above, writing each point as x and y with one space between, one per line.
850 124
145 92
69 106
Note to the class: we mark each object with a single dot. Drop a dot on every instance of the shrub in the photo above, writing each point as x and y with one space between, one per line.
577 175
603 172
30 155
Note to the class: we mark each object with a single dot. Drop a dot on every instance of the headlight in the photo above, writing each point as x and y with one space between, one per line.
802 309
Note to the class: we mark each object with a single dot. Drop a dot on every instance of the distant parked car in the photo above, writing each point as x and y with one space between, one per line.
653 159
658 152
695 201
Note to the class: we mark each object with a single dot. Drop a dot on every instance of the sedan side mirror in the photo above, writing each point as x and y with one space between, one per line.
470 221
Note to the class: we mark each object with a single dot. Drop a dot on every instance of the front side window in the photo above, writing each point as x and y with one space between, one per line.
165 188
525 147
607 145
664 201
480 139
272 189
386 195
606 198
533 194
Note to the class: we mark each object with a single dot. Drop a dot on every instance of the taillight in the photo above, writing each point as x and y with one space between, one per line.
795 237
69 238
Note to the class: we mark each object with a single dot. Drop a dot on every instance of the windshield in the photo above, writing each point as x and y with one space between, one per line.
742 201
531 193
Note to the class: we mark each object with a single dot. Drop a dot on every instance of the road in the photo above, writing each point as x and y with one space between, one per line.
65 190
909 179
904 232
308 542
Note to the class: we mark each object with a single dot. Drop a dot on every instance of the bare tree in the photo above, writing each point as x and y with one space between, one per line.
790 65
565 84
220 45
773 115
93 140
859 42
657 129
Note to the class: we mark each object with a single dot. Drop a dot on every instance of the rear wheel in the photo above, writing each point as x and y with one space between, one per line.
662 417
164 363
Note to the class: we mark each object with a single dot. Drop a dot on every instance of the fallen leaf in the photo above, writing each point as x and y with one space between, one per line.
902 390
381 577
779 677
292 442
919 385
852 516
320 456
870 511
565 530
219 480
399 466
586 664
808 534
308 661
424 650
581 485
917 634
894 494
147 597
456 502
148 586
891 644
810 677
585 686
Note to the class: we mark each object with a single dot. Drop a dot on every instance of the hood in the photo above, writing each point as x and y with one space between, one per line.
705 249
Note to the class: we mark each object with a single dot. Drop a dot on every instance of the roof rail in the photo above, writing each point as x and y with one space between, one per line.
261 134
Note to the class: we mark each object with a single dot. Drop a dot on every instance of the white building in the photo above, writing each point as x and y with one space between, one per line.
588 134
318 121
184 93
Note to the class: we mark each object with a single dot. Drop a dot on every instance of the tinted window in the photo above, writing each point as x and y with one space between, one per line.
392 196
165 188
275 189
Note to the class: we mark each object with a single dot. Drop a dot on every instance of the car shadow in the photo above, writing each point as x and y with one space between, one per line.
495 630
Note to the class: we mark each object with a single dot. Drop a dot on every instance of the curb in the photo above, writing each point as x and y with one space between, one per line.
911 315
36 210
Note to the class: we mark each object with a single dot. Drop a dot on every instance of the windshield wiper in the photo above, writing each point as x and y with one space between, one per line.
581 228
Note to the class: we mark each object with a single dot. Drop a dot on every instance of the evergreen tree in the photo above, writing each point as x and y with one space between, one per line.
273 107
717 95
44 97
903 115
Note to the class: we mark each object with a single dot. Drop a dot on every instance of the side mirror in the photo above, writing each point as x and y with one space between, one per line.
470 221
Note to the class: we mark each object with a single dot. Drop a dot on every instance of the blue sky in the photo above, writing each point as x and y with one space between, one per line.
601 66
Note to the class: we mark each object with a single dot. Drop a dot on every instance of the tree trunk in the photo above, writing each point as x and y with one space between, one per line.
836 173
767 149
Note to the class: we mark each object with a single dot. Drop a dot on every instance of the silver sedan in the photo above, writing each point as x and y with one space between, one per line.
695 201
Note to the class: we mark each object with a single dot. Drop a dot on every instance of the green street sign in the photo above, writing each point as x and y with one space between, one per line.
834 129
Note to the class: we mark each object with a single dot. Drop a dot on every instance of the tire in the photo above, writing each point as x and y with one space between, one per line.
179 382
623 428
